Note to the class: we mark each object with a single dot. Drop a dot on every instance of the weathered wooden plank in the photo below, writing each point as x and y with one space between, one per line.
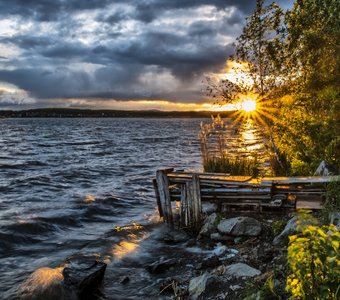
184 216
158 200
191 189
227 198
190 203
234 192
255 190
299 179
233 185
204 176
164 195
196 198
174 180
306 204
189 174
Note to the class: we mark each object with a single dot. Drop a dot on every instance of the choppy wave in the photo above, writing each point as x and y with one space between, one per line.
66 184
70 186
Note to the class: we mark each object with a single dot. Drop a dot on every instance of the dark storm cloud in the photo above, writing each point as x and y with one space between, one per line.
148 10
28 42
111 49
145 10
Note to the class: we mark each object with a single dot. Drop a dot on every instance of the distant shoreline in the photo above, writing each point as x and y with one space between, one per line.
103 113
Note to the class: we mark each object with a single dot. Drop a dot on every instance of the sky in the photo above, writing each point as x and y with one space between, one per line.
118 54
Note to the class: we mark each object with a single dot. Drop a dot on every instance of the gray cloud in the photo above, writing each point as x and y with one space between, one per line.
134 49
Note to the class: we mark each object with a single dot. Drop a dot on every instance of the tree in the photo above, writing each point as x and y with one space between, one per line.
309 126
261 47
258 57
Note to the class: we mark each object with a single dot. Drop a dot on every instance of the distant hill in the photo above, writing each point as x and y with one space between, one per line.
102 113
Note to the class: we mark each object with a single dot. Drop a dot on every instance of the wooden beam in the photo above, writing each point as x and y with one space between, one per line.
158 200
196 198
164 196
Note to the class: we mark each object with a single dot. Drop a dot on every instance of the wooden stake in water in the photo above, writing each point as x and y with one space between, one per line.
164 195
196 200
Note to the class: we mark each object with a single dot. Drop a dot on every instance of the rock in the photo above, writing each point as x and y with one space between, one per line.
202 285
220 270
239 240
44 283
209 226
161 265
235 287
240 226
334 218
208 207
210 262
287 231
175 236
217 237
326 169
84 275
125 280
241 270
219 249
263 253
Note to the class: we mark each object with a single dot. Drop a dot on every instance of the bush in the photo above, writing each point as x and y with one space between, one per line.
314 260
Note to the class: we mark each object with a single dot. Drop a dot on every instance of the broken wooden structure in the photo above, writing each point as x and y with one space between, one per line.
180 194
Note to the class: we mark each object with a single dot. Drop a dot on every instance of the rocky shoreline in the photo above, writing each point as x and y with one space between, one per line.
232 256
246 252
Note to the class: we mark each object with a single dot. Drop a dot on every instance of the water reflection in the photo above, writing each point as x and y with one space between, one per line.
133 235
44 283
239 140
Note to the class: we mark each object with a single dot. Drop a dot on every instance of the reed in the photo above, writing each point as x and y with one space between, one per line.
212 138
233 166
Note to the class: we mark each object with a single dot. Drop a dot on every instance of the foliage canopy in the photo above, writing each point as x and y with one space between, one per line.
293 60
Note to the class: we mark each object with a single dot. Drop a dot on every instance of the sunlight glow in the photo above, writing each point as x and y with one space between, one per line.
89 198
248 105
124 248
130 245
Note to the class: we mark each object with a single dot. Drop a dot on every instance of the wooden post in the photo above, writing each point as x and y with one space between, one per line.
159 205
196 199
184 216
188 191
164 196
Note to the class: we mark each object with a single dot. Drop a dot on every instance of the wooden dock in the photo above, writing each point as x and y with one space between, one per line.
180 194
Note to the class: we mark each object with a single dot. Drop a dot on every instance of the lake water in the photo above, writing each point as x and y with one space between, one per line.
66 184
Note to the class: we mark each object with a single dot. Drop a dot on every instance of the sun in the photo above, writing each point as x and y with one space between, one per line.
248 106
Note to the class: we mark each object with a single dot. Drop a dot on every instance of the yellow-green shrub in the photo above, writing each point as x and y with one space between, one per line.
314 260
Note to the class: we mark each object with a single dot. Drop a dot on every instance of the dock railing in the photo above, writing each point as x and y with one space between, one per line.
180 194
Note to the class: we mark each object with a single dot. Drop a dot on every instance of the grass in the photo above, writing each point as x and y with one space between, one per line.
233 166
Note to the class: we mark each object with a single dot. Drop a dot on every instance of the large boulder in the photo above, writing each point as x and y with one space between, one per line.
161 265
240 226
44 283
241 270
209 226
326 169
202 285
84 275
289 229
